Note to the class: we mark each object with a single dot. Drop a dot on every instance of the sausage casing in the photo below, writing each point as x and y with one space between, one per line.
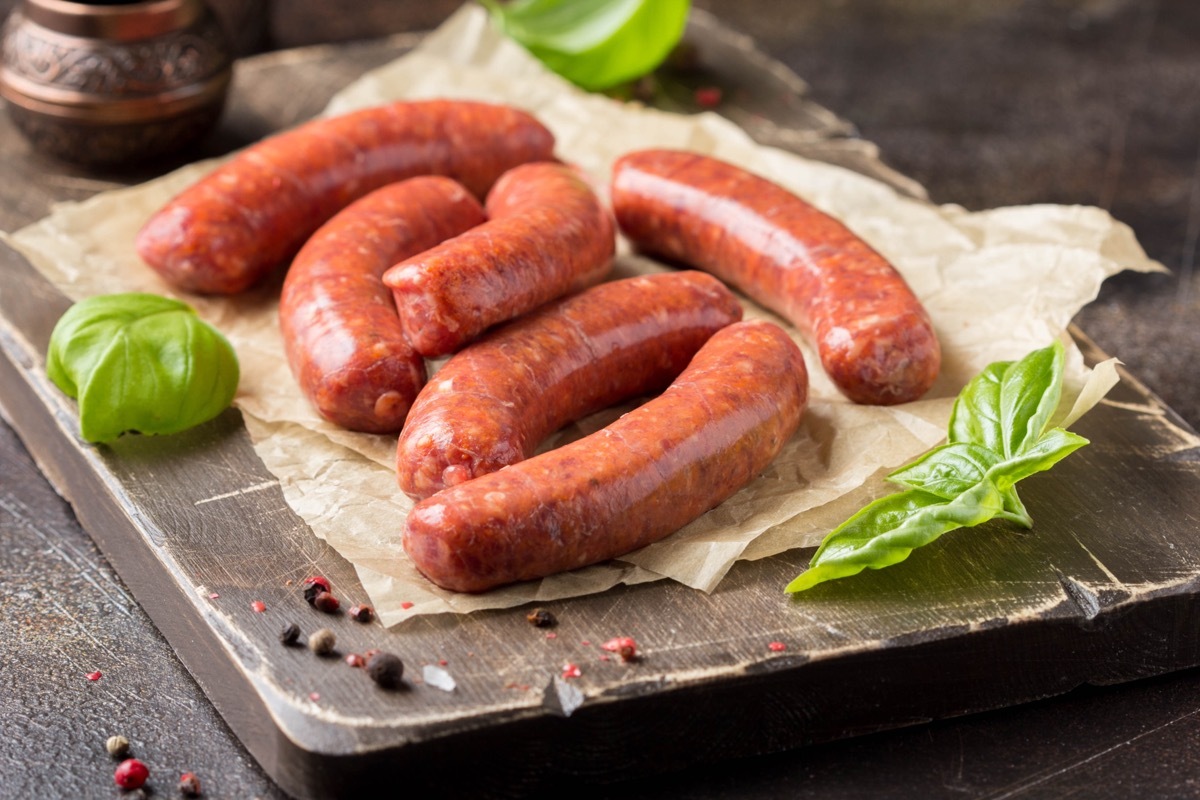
498 398
343 338
547 235
713 430
226 232
874 337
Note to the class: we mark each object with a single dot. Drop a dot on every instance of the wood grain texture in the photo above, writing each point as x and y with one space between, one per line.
1121 608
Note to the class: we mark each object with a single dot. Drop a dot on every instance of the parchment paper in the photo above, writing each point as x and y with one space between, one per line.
997 284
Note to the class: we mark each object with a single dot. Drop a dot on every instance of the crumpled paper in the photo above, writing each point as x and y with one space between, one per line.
997 284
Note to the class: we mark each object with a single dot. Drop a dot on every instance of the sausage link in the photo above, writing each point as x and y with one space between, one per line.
229 230
875 339
497 399
547 235
644 476
344 341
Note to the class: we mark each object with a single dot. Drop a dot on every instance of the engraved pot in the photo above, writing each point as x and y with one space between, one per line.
110 83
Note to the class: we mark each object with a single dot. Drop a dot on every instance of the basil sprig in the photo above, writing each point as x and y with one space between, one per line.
998 435
595 44
140 362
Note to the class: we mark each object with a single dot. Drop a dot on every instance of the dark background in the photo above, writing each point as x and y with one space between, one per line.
986 104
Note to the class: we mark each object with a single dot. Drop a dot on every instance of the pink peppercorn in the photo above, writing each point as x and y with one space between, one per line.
624 646
189 785
777 647
95 676
130 774
324 601
259 606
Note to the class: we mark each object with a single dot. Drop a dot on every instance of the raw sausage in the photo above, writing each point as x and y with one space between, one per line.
547 235
229 230
344 341
497 399
646 475
875 339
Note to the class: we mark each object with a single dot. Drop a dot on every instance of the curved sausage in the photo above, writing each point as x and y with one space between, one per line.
547 235
875 339
644 476
497 399
229 230
344 341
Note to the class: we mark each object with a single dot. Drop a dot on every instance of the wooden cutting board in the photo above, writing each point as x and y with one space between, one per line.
1103 590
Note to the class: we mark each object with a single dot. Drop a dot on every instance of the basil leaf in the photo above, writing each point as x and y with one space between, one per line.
886 531
1050 448
595 44
1029 393
947 471
140 362
975 417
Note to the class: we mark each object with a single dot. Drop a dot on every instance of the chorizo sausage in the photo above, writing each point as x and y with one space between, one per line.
547 235
497 399
344 341
875 339
226 232
713 430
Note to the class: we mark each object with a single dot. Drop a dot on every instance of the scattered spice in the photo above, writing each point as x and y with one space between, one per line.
355 660
322 642
259 606
362 613
313 586
314 696
570 670
213 596
606 657
443 662
117 746
541 618
777 647
585 643
95 676
368 653
290 635
708 96
624 646
551 635
324 601
406 605
131 774
189 785
386 669
438 678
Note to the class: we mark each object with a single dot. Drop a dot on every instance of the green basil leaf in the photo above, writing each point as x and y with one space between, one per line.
1050 448
947 471
140 362
1029 393
886 531
975 417
595 44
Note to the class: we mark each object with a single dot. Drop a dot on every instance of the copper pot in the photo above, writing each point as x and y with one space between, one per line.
106 83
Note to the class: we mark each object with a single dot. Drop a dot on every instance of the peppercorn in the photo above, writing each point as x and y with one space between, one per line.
290 635
313 586
541 618
117 746
326 602
362 613
321 642
386 669
624 646
355 660
189 785
130 774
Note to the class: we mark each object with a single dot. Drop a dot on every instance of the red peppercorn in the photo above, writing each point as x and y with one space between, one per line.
355 660
324 601
189 785
259 606
362 613
624 646
95 676
777 647
708 96
313 586
130 774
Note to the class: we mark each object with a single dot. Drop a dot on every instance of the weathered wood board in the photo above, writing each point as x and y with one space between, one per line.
1103 590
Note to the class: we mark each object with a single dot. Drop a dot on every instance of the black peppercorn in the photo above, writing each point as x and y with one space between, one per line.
541 618
290 635
386 669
